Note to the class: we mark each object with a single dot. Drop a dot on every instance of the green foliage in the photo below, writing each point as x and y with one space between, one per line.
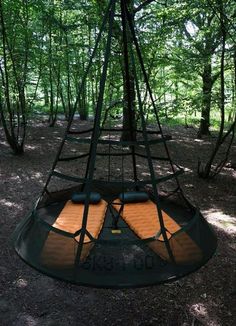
52 41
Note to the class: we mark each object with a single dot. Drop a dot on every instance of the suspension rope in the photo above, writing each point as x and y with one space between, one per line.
78 96
96 132
128 88
149 158
139 54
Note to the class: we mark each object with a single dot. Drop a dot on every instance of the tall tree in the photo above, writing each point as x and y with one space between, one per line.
15 43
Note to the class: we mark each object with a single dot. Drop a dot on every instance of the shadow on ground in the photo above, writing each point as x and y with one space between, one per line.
206 297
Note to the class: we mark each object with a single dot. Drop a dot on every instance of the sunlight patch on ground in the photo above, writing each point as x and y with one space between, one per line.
199 311
203 142
27 320
9 204
221 220
30 147
189 185
16 178
3 143
110 137
145 174
21 283
187 170
37 175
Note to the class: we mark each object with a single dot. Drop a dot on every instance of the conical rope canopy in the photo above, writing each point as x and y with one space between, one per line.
112 213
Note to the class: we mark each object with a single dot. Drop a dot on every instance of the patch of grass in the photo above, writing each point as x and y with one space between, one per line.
179 121
41 109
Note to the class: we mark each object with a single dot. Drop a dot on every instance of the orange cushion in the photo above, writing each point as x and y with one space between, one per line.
71 217
60 251
143 219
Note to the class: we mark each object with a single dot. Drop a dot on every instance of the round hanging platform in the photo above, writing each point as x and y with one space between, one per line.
127 234
129 253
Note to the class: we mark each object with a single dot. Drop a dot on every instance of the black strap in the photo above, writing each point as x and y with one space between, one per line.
148 151
75 132
139 183
96 132
73 158
79 93
123 143
140 58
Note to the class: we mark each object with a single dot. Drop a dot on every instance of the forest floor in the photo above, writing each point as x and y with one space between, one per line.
207 297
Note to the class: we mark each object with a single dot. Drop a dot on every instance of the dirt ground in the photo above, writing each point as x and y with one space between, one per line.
207 297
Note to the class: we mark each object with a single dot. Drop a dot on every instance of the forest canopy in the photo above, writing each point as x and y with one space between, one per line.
188 48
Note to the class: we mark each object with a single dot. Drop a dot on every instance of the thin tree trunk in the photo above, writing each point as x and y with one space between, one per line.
68 76
206 100
129 123
15 129
51 91
207 171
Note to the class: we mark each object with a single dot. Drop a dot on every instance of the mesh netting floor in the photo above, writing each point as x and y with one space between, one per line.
124 257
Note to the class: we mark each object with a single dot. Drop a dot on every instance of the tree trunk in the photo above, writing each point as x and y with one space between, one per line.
208 170
46 96
13 107
129 123
129 117
68 76
51 89
206 100
83 110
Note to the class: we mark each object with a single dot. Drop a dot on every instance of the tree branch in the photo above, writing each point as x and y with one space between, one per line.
144 4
